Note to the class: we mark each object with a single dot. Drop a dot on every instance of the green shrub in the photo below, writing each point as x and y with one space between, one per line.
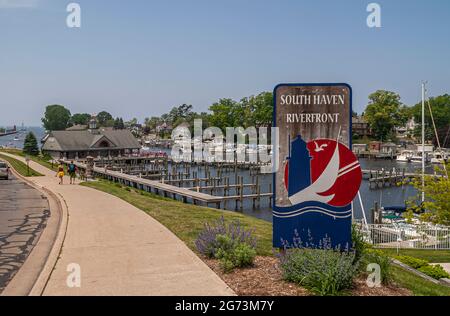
358 243
233 254
207 241
380 258
323 271
435 271
412 262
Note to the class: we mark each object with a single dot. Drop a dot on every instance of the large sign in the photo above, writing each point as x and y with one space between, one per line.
318 175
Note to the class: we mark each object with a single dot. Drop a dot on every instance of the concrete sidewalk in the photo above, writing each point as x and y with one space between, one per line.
121 250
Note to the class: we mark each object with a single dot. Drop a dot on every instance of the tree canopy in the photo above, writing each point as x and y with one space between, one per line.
437 199
105 119
254 111
440 107
80 119
118 123
385 112
56 118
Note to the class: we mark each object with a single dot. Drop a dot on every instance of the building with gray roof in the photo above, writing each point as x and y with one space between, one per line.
78 144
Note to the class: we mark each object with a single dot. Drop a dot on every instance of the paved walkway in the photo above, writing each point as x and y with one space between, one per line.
121 250
23 216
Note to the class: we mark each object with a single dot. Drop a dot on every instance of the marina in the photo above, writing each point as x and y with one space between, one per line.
241 186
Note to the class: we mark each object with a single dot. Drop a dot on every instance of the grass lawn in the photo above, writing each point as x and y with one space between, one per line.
185 220
419 286
433 256
20 167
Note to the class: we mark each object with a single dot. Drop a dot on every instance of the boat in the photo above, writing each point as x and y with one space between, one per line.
405 156
438 158
417 157
393 213
16 139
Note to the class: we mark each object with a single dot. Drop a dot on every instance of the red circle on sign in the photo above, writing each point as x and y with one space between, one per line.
348 178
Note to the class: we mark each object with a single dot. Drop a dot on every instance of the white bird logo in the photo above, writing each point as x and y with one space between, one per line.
320 148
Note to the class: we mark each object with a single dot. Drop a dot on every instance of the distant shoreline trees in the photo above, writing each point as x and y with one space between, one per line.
384 113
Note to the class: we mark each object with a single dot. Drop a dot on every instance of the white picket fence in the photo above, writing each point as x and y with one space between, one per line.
406 236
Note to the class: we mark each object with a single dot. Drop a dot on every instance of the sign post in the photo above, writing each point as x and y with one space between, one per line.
27 159
318 175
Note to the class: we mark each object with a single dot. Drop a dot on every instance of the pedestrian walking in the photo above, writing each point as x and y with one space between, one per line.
60 173
72 172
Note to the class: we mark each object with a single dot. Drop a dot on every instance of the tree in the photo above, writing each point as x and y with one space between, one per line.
180 114
437 204
258 110
30 145
384 113
131 122
80 119
103 118
440 106
152 122
224 113
118 123
56 118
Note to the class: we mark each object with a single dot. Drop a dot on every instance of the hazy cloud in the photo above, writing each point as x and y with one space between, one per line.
18 4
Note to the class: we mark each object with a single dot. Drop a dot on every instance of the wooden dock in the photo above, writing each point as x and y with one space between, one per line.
190 194
384 178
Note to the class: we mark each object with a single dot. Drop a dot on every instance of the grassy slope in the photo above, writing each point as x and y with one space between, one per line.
38 159
417 285
186 220
434 256
20 167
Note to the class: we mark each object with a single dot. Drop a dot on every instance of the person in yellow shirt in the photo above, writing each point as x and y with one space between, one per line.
60 173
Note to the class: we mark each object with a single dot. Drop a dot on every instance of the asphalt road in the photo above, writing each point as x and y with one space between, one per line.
23 216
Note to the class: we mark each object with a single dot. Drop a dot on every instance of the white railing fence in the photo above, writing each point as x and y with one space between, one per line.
406 236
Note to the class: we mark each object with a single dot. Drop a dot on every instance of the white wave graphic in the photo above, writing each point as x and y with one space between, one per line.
313 210
310 207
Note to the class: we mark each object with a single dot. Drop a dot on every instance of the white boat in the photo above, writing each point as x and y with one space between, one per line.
438 158
417 157
405 156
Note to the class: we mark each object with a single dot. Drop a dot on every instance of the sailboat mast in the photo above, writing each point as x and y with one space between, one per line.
423 141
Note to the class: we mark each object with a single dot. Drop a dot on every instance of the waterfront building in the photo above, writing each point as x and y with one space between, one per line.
79 143
375 146
360 126
406 131
388 148
359 149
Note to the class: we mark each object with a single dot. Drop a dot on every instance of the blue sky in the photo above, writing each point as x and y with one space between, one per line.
139 58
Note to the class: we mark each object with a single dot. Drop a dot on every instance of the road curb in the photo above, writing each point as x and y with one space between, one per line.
32 277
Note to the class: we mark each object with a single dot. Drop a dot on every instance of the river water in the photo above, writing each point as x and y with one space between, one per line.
8 141
390 196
